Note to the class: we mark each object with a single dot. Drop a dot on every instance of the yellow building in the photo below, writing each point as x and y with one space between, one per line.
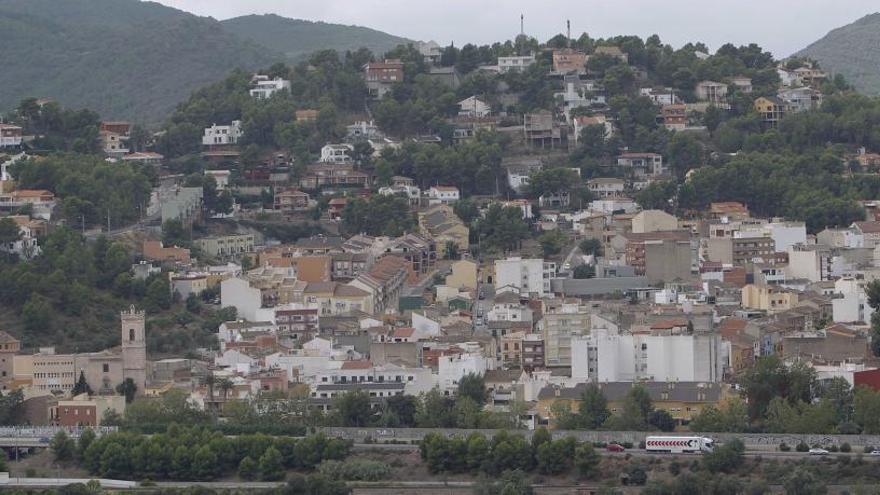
464 275
771 109
334 298
441 224
682 400
511 348
768 298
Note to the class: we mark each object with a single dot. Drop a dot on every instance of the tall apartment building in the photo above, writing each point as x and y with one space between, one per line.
528 275
561 322
604 356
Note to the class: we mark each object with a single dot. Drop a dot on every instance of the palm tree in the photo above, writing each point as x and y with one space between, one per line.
225 385
209 382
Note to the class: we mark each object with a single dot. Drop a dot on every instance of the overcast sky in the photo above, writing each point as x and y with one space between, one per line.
782 26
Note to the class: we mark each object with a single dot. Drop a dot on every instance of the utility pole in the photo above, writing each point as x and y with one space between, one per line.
522 30
568 32
108 220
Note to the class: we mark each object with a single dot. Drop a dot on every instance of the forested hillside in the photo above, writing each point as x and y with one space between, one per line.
852 50
134 60
297 38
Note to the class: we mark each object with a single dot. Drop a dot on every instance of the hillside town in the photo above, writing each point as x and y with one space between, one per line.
555 222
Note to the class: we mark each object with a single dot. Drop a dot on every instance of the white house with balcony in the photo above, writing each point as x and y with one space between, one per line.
443 195
413 193
264 87
363 130
642 164
337 153
515 64
576 94
10 136
223 135
473 107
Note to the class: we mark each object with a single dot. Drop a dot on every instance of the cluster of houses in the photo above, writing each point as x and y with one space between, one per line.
681 305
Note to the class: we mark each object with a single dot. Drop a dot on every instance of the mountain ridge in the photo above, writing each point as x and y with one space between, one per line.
126 59
297 38
852 50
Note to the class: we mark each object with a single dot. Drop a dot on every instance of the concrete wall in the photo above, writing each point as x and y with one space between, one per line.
596 286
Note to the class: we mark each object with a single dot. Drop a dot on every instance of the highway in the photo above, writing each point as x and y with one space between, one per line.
775 454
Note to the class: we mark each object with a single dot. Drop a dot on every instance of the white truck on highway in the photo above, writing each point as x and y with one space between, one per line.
679 445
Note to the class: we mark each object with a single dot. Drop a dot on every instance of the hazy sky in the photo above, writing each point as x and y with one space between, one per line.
782 26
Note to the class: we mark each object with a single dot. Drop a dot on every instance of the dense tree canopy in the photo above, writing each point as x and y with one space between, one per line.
90 188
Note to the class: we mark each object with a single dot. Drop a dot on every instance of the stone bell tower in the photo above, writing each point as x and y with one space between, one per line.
134 348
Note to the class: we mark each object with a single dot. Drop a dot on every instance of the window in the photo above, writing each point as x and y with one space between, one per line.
106 367
131 334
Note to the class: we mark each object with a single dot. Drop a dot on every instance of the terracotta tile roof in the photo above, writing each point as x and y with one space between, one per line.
404 332
728 207
343 290
363 364
669 323
732 326
869 227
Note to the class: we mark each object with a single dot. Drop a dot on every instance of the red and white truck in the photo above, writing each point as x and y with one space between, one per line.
679 445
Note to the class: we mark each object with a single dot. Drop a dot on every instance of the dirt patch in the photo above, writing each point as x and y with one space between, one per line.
41 463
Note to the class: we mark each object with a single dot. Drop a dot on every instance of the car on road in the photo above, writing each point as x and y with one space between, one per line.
614 447
875 452
818 452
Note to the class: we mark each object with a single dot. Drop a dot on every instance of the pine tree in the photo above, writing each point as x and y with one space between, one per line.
82 386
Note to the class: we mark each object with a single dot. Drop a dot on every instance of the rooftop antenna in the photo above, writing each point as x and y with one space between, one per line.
568 32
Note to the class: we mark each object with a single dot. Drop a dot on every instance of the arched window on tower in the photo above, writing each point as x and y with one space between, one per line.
131 334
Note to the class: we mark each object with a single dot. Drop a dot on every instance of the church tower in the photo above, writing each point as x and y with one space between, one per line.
134 348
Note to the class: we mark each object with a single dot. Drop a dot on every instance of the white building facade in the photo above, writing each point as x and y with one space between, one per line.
528 275
219 135
608 357
264 87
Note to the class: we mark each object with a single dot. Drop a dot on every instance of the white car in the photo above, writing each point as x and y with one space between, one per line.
818 452
875 452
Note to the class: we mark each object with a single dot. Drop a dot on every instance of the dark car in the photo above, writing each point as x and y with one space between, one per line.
614 447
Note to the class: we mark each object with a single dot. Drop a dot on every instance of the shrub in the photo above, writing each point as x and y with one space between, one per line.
868 449
674 468
248 469
355 470
641 444
833 448
636 474
845 447
802 447
784 447
629 445
726 458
